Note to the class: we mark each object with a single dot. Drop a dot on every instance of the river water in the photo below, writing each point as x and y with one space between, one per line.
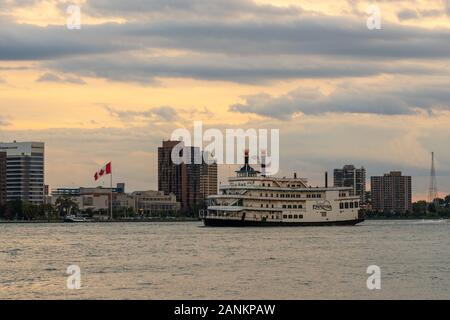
183 260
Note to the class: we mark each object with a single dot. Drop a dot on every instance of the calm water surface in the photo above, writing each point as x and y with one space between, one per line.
188 261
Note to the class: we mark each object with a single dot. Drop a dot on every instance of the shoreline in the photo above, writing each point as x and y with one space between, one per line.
158 220
98 221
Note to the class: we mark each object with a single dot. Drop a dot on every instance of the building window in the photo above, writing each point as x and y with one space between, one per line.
295 216
324 214
284 206
284 216
346 205
341 205
290 216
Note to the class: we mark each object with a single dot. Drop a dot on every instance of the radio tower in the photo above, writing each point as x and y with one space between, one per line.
432 192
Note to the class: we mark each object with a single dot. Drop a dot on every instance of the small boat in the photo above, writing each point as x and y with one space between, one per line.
74 218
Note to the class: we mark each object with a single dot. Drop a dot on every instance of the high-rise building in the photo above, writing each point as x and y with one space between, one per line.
24 171
349 176
2 178
391 193
190 181
208 179
169 174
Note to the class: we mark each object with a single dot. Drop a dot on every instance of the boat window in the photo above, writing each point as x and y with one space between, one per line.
356 204
295 216
284 216
284 206
324 214
341 205
289 206
346 205
300 216
290 216
351 205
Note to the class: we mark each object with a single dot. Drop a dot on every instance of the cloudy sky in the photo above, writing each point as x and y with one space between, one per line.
136 70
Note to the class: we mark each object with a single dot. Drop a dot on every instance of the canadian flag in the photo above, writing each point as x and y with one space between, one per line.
103 171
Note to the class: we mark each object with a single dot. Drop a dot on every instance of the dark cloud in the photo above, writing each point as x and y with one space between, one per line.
407 14
187 9
51 77
241 69
318 35
29 42
349 99
165 113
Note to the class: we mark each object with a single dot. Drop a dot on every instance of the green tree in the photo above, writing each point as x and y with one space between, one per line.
66 206
419 208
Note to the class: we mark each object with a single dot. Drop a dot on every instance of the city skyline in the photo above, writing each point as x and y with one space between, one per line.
374 98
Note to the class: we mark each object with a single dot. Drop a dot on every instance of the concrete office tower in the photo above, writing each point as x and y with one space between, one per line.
208 177
190 182
24 171
349 176
391 193
2 178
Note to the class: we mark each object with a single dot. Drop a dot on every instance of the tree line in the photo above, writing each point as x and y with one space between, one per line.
19 210
438 209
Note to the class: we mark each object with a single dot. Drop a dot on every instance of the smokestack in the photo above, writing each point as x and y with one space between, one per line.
246 157
295 175
263 163
326 179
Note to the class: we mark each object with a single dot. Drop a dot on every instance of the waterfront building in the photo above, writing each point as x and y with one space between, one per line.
190 182
97 199
91 198
155 203
349 176
2 178
24 171
391 193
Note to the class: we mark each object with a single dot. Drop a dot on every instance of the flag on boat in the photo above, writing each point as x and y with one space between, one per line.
103 171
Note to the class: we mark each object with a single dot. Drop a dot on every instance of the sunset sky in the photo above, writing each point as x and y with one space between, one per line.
136 70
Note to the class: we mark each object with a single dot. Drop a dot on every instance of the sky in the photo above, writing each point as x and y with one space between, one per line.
340 92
